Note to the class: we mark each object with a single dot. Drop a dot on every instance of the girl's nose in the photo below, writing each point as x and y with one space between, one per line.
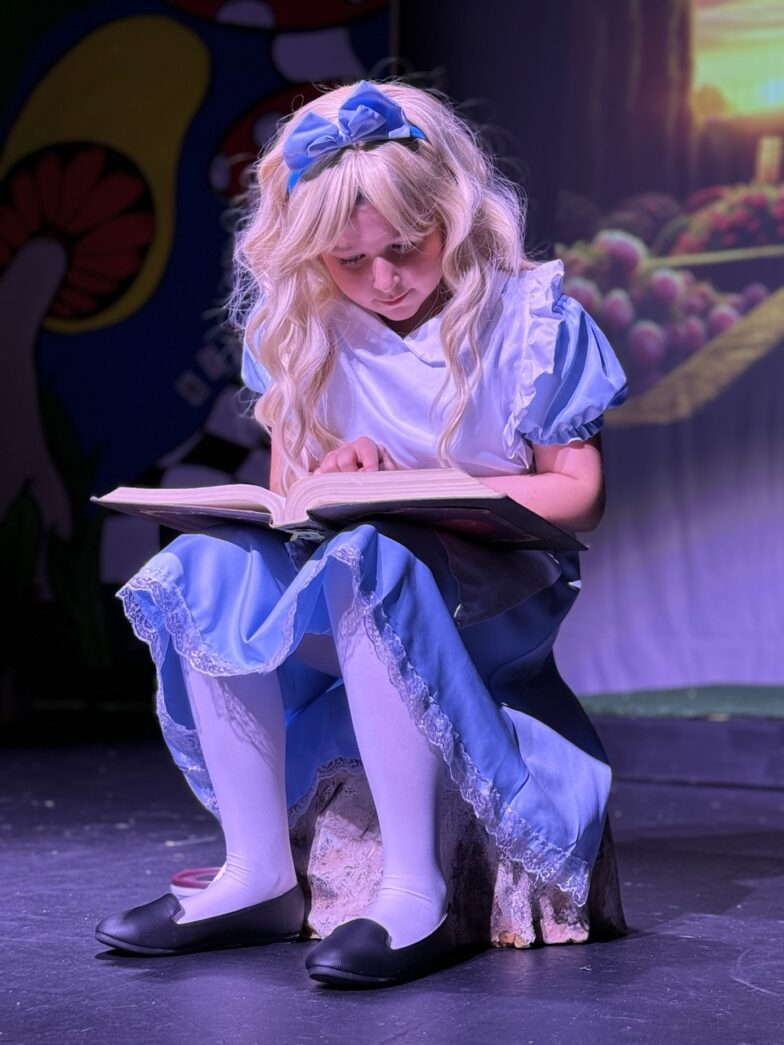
385 277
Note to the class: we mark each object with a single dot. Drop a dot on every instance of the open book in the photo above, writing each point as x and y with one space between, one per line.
319 504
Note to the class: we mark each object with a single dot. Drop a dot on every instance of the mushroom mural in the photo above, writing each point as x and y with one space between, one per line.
110 372
87 203
86 213
76 224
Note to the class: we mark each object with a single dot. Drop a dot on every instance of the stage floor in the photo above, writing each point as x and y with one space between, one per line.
89 831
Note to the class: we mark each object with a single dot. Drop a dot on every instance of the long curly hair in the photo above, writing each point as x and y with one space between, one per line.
282 287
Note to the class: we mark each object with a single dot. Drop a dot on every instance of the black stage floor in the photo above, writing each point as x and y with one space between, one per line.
87 831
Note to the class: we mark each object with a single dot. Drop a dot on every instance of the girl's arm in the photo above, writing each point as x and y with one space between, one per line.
567 487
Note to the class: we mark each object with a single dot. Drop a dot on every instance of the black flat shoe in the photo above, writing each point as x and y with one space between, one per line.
152 929
358 954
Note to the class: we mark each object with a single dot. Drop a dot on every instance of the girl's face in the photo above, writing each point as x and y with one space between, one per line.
374 269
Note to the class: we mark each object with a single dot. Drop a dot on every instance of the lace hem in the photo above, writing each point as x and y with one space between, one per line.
513 834
165 608
170 611
184 743
326 771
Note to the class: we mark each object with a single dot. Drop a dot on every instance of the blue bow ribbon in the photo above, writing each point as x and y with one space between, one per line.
366 115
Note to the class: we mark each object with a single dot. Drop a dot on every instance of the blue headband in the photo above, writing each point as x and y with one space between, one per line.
367 115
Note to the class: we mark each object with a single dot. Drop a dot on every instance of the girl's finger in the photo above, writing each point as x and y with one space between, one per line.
361 454
328 463
367 453
346 458
388 463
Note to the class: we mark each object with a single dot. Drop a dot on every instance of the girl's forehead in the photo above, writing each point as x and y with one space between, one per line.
366 225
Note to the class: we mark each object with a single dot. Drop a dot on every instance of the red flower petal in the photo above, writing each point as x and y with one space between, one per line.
79 177
129 230
11 228
48 175
80 302
120 265
99 284
113 194
25 197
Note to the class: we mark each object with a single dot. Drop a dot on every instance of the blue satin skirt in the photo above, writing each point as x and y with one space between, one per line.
485 692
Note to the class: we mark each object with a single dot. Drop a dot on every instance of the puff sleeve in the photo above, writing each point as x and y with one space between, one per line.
569 373
254 375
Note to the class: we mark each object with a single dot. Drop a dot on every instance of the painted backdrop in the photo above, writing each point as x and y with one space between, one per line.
670 220
127 131
650 145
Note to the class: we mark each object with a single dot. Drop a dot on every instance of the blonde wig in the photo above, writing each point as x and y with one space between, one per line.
444 181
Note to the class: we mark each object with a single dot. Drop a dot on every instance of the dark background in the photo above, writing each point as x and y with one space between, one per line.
587 105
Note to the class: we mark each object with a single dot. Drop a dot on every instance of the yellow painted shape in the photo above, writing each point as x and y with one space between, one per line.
133 85
707 373
711 261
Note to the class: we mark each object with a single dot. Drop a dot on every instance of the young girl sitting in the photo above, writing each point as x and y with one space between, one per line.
395 322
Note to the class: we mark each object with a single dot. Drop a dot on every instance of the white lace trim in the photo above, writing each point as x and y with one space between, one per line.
513 834
326 771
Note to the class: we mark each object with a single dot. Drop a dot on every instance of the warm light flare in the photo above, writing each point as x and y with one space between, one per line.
739 57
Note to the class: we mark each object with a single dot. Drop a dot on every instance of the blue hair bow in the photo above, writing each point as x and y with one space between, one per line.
366 115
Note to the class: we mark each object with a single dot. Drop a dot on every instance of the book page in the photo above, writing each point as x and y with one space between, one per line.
309 494
236 496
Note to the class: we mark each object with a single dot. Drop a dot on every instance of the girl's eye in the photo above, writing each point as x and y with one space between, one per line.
400 250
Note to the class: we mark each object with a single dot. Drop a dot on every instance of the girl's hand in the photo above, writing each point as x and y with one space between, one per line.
361 455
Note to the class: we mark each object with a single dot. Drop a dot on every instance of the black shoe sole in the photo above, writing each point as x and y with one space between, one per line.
348 956
337 978
161 952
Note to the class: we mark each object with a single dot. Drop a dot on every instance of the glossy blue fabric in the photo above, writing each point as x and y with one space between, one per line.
366 115
581 379
254 375
549 375
513 737
466 632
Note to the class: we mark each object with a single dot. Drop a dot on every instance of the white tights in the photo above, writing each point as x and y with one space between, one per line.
403 771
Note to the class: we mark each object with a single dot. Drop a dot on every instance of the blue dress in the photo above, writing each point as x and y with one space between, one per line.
466 631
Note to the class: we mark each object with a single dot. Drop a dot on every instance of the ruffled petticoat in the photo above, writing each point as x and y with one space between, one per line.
466 633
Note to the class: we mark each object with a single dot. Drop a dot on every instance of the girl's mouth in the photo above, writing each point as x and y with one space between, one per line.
393 301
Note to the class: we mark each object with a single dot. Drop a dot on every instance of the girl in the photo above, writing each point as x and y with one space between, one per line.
395 323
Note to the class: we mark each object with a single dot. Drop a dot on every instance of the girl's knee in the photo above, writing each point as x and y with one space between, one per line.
338 589
230 548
